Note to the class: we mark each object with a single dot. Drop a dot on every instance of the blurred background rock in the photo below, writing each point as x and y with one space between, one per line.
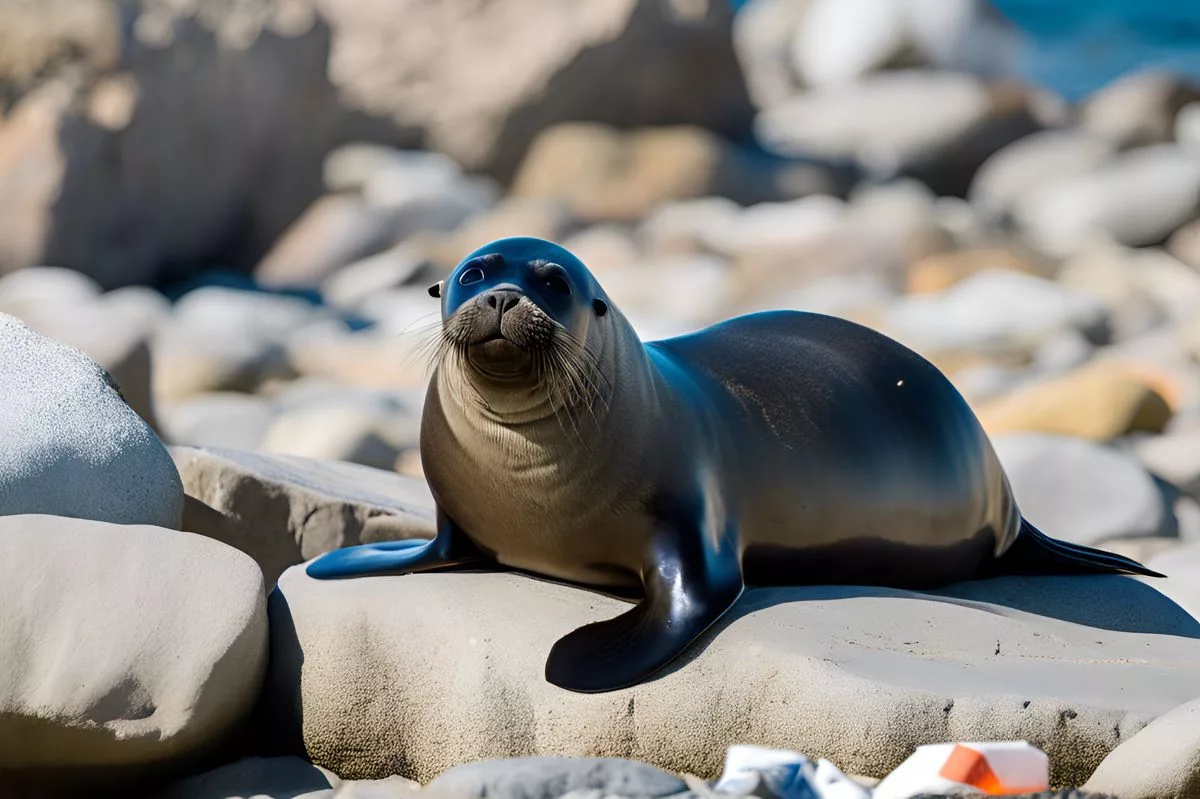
235 206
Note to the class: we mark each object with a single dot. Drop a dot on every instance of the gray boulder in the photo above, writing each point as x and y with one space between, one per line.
554 777
72 446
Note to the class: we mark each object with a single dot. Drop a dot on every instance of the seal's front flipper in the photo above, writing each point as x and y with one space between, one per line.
450 547
688 586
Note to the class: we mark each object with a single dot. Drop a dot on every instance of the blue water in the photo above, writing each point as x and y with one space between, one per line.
1077 46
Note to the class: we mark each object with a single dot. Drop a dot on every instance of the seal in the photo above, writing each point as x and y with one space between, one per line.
774 448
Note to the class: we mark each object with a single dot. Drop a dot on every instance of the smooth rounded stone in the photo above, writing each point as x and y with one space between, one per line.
1061 352
341 430
1072 665
1173 457
994 311
1034 161
763 31
28 289
334 231
1184 244
1187 126
839 41
935 126
540 217
786 226
282 510
435 70
1139 198
650 291
1163 760
604 248
1080 491
858 297
1138 108
684 227
842 40
218 419
940 271
1182 584
224 339
554 777
982 382
351 286
393 354
72 445
603 174
1098 402
124 646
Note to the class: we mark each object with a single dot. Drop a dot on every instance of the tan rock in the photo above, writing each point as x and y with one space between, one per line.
1137 109
940 271
1098 402
602 174
1160 762
283 510
857 675
123 646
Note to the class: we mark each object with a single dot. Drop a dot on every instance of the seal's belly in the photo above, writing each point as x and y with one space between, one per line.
532 519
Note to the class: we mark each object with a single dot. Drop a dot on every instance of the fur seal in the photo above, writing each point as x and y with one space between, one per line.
780 447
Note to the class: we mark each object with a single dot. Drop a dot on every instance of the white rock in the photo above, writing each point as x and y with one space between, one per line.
1080 491
790 225
1173 457
1138 199
218 419
839 41
1034 161
685 226
885 122
762 37
1187 126
993 311
122 645
72 446
351 286
858 675
1182 583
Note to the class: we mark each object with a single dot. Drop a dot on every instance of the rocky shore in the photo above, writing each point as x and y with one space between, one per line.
217 225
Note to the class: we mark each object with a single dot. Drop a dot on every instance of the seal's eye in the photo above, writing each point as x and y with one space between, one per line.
552 277
472 275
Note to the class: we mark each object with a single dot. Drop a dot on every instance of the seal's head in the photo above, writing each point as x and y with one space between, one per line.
517 309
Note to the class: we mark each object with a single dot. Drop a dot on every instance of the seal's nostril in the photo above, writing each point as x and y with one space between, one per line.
491 300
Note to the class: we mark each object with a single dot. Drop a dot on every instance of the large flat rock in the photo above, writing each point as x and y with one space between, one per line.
123 648
415 674
283 509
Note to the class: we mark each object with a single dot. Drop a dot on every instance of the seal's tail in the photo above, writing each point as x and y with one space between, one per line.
1034 552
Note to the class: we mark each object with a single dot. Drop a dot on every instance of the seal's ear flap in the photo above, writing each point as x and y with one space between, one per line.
600 306
436 289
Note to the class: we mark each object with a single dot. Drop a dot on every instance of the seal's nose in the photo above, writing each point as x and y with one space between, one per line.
503 300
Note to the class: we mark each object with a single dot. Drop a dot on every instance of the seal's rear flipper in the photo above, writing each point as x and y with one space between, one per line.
450 547
1034 552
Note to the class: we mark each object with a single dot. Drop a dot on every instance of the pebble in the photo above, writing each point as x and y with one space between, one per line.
1137 109
1081 491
